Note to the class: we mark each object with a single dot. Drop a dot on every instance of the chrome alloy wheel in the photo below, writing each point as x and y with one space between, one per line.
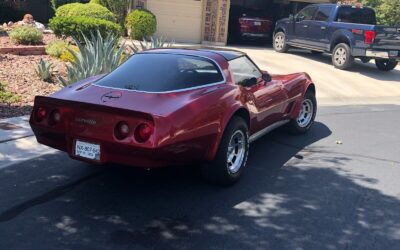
340 56
306 113
279 42
236 152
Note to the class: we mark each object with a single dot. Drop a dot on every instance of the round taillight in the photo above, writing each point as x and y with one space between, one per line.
143 132
55 117
122 130
41 114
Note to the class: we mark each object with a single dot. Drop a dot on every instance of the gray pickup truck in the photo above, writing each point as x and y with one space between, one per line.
347 32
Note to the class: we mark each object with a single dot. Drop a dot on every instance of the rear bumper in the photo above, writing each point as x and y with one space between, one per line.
246 35
377 54
182 153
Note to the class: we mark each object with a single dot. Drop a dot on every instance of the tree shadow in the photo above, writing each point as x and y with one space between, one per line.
294 195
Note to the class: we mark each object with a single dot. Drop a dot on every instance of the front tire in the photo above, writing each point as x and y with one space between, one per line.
279 43
341 56
385 64
232 154
306 117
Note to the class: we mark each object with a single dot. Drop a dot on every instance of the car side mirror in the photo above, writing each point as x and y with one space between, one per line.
266 77
249 82
291 18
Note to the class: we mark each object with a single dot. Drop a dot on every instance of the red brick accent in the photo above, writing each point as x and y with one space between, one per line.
24 50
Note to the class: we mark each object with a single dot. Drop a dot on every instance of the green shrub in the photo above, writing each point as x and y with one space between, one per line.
57 3
97 55
76 26
67 56
85 10
97 2
6 96
118 7
141 23
26 35
44 70
56 48
153 43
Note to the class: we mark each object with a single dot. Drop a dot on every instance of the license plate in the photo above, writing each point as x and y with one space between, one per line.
393 53
87 150
257 23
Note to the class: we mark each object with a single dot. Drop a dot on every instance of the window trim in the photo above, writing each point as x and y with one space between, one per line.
221 72
254 64
330 14
309 7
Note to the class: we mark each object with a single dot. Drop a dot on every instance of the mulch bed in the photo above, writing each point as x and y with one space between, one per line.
18 72
6 42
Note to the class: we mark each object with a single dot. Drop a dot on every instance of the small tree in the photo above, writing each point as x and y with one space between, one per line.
389 12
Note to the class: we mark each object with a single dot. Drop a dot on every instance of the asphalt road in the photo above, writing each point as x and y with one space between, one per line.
334 188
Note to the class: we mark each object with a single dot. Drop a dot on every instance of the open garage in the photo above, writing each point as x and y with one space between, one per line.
254 20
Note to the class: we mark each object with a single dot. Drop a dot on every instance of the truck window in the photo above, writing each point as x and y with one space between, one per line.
323 13
349 14
306 14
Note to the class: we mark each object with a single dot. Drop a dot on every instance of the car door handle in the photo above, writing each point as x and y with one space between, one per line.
323 28
305 26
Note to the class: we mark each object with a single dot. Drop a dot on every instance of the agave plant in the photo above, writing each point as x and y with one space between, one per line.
44 70
153 43
97 55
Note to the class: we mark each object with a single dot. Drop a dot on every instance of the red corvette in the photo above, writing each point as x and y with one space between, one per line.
175 106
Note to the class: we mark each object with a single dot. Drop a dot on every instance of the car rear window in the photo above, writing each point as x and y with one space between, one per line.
348 14
157 72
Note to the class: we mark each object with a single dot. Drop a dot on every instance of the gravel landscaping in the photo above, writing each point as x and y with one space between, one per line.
18 73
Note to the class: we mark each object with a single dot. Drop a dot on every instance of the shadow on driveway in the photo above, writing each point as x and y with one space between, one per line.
293 195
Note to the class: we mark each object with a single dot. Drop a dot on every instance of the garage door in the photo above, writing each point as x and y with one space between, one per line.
178 20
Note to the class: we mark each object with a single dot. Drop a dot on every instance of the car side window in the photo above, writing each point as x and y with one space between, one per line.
243 69
306 14
323 13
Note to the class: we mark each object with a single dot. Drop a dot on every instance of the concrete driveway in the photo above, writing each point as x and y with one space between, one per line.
363 84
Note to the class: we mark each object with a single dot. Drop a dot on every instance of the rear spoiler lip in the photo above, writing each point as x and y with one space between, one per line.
58 102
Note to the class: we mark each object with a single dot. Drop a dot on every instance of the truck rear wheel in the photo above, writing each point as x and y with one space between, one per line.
341 56
385 64
279 43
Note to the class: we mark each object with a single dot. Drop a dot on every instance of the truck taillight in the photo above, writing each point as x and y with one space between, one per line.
369 36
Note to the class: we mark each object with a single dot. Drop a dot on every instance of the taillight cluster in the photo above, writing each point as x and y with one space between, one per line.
369 36
141 133
53 116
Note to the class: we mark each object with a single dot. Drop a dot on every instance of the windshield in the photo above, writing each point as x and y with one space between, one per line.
348 14
155 72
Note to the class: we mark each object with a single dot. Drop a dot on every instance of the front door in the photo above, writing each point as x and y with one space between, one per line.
266 100
302 23
318 29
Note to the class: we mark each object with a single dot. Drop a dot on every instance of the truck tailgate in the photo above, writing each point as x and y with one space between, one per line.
387 38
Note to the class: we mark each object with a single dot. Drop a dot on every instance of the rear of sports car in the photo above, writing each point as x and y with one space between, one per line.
95 133
140 122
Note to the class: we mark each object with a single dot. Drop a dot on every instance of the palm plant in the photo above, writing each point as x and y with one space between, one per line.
97 55
153 43
44 70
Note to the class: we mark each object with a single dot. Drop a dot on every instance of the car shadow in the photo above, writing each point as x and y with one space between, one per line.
289 197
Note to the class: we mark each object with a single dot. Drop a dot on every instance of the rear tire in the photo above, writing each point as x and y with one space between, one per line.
385 64
306 117
232 154
279 43
341 56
